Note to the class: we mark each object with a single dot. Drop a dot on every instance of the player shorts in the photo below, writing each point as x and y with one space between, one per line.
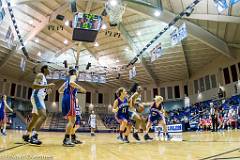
121 117
3 118
78 120
156 119
68 105
37 103
93 125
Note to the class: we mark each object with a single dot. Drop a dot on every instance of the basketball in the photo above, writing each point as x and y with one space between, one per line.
140 108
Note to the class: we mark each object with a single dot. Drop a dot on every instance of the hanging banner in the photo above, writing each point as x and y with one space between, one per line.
23 64
182 32
156 52
2 12
174 37
9 37
132 73
234 1
221 5
82 76
8 34
179 34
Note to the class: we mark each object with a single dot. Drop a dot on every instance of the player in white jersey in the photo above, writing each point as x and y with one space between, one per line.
92 122
40 87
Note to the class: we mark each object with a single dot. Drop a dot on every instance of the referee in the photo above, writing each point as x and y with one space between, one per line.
213 113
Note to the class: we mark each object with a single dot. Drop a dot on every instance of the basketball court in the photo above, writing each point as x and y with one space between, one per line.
198 146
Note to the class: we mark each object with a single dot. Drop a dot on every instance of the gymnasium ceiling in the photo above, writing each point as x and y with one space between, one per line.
210 35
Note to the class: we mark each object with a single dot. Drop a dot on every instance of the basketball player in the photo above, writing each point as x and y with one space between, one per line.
135 111
77 124
92 123
70 88
121 109
156 117
40 87
3 116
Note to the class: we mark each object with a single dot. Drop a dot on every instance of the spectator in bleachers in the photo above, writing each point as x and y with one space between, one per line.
232 119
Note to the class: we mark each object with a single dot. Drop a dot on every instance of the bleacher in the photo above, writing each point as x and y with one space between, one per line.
190 115
109 121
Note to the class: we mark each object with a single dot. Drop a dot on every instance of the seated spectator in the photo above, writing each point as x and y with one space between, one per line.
232 119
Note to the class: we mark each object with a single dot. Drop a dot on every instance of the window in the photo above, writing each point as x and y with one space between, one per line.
24 92
13 87
207 82
226 76
213 81
19 90
162 92
170 92
186 90
202 86
88 97
234 73
177 92
29 93
100 98
1 86
57 96
155 92
239 67
196 86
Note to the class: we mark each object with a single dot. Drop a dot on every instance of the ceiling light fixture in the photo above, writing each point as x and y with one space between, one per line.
66 23
31 21
96 44
36 40
139 33
104 26
39 54
157 13
65 41
113 2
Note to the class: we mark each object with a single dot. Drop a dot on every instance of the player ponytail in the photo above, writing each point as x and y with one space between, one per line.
119 91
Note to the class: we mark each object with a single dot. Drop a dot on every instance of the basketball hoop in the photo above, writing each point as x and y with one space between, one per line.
115 12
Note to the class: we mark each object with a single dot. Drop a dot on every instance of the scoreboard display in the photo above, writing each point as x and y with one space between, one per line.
86 27
87 21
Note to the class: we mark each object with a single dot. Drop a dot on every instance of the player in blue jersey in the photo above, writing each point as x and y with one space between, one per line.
40 90
69 90
156 117
3 116
120 108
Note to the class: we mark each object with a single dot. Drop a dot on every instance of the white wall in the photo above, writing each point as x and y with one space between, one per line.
5 86
215 67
